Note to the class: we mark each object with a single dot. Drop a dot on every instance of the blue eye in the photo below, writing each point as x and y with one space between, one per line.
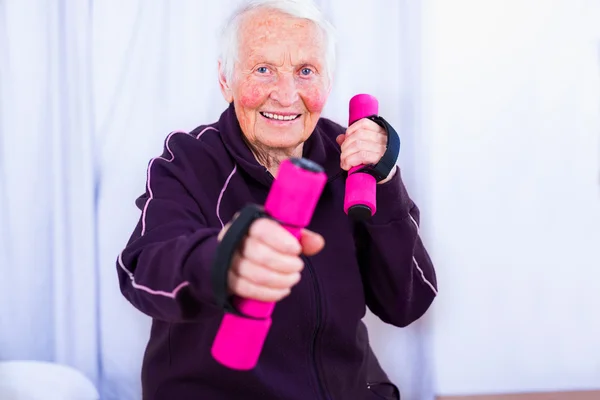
306 71
262 70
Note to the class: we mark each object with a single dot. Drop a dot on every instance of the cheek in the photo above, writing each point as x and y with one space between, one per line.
315 98
252 95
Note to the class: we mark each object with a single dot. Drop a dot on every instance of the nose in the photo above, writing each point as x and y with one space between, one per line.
285 91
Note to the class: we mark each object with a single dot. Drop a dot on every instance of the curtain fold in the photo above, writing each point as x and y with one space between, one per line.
49 272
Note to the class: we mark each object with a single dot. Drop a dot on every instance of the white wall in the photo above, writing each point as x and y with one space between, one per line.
511 128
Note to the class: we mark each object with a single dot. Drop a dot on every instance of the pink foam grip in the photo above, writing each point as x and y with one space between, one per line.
361 106
361 187
360 190
291 200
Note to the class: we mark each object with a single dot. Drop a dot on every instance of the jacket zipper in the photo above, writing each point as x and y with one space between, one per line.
313 343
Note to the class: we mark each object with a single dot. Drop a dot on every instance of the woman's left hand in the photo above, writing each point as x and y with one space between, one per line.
364 143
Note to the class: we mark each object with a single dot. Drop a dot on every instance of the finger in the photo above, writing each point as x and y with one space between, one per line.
368 152
311 242
275 236
365 136
235 262
364 124
353 146
260 253
249 290
262 276
340 139
363 139
361 157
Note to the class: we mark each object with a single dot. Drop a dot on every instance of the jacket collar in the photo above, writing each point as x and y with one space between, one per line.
320 147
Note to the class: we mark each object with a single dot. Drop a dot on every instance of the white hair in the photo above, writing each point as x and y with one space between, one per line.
305 9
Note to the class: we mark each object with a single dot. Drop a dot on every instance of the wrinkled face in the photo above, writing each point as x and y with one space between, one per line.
280 83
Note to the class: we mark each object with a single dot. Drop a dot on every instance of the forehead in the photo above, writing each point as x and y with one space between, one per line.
264 32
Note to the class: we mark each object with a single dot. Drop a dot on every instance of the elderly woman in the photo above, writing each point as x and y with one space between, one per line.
275 72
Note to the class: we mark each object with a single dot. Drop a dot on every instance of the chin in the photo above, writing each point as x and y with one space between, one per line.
283 137
282 142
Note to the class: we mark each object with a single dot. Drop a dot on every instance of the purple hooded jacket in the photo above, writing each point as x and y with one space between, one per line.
317 347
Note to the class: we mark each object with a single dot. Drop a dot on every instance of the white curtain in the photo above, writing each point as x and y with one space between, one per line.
89 90
512 124
48 168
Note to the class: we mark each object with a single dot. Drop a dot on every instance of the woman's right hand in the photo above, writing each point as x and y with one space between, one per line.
267 264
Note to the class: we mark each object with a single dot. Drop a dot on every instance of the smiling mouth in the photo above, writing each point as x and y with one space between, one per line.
279 117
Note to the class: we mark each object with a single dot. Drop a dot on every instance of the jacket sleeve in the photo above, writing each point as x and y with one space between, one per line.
164 270
398 275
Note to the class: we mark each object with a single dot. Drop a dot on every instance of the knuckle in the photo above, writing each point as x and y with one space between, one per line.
363 122
349 160
348 163
243 289
260 253
276 295
249 290
235 263
260 227
234 284
256 228
289 264
287 281
242 267
271 262
295 278
245 246
280 294
297 264
263 278
267 294
280 232
363 132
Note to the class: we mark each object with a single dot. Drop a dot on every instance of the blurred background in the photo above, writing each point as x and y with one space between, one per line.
497 103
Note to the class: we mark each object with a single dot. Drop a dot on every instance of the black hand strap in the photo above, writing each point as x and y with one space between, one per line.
382 169
225 251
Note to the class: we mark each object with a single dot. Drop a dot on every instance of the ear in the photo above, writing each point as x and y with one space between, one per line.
224 85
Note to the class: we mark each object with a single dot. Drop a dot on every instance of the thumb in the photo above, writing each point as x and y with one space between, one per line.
311 242
340 139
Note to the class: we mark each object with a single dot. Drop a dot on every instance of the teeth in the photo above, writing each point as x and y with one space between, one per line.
280 117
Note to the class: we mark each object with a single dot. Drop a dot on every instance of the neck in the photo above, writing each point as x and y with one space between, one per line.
271 158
